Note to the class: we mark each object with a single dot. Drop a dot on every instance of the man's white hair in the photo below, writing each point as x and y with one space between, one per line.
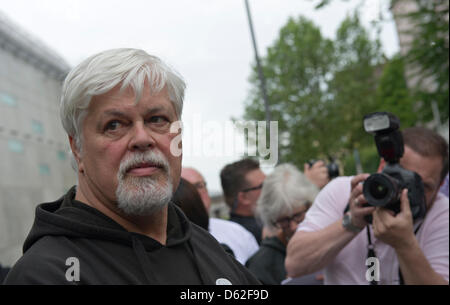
102 72
284 190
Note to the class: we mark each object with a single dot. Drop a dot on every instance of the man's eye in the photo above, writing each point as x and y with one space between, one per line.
113 125
158 119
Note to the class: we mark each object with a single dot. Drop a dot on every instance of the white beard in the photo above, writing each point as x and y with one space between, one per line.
144 196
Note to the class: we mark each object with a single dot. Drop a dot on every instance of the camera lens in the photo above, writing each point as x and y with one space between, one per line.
378 191
381 190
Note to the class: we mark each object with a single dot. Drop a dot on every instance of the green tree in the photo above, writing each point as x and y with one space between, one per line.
393 94
318 89
353 87
429 54
296 69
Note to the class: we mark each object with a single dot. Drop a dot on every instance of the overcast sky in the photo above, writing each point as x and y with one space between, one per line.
207 41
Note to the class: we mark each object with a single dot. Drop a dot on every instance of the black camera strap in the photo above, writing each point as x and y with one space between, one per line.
371 253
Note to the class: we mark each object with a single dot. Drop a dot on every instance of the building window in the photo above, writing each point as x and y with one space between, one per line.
7 99
15 146
37 127
44 169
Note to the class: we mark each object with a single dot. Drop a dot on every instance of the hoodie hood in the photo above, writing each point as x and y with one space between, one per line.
71 218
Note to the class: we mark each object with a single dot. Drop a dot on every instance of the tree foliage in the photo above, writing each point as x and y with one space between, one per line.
295 69
429 53
319 89
354 84
393 94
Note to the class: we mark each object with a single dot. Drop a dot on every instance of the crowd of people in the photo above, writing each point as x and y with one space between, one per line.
137 216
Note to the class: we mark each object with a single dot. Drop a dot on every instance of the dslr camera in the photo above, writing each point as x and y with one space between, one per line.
332 167
384 189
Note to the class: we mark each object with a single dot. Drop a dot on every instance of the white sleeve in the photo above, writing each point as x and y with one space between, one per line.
328 206
434 238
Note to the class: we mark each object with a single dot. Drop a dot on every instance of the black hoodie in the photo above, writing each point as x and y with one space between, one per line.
68 234
267 264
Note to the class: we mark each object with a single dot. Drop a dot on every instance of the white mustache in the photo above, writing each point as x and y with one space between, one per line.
155 158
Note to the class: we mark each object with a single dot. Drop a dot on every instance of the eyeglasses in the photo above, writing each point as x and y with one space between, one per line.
200 185
285 222
258 187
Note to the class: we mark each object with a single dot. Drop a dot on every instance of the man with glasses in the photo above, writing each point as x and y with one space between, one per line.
196 179
286 196
242 182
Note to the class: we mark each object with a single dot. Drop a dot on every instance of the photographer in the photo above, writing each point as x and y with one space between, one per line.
320 173
405 251
317 173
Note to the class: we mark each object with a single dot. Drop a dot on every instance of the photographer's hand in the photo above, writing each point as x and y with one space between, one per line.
317 173
395 230
357 201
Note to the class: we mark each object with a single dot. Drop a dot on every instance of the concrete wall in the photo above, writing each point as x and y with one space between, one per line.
35 163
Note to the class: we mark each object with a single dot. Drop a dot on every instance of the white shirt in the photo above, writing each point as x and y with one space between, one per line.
235 236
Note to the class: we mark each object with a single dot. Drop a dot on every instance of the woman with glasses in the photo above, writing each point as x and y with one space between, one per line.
285 198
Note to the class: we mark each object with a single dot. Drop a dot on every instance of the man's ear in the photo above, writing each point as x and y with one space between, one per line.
382 165
76 154
242 199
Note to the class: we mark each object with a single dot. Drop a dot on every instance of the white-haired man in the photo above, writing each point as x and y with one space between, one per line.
118 225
